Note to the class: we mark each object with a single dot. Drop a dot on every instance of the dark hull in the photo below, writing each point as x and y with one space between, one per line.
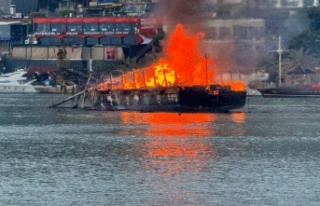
175 99
289 92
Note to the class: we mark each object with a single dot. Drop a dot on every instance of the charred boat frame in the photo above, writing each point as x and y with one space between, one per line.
214 98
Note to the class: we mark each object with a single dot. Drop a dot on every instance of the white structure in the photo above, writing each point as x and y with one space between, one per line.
288 3
285 3
15 82
269 3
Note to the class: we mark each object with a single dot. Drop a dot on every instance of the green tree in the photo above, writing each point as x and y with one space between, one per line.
37 14
64 13
310 38
300 57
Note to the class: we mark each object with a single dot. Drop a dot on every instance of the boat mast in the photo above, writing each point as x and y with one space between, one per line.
280 51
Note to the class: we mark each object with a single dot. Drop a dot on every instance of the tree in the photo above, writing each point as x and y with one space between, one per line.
310 38
300 57
37 14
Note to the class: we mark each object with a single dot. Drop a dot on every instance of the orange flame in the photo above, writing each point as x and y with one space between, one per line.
184 65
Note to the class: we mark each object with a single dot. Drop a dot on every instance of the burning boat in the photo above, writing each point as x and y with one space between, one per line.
181 81
213 98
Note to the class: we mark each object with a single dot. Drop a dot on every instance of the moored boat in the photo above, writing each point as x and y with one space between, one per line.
305 91
16 82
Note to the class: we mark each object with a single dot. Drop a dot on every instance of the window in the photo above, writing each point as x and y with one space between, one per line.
308 2
244 49
58 27
240 32
290 3
211 33
74 27
256 33
224 33
107 27
42 28
270 3
90 27
125 28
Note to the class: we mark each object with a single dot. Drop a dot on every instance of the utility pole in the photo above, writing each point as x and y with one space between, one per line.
280 60
279 51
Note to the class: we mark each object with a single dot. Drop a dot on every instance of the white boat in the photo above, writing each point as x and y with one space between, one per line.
16 82
55 89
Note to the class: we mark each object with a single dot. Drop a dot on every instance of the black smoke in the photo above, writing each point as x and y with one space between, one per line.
186 12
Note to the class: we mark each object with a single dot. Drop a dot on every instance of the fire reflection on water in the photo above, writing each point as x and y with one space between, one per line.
238 117
175 143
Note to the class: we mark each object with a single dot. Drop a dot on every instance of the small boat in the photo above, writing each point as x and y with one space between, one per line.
16 82
305 91
300 81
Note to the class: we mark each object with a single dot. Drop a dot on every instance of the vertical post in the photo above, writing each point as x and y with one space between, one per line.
176 76
222 80
110 80
122 78
231 77
134 79
239 75
144 79
165 78
280 61
86 87
125 80
205 56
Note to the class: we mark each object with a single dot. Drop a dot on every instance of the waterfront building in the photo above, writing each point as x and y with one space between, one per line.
237 43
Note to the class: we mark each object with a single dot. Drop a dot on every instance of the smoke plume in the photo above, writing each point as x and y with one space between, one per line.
186 12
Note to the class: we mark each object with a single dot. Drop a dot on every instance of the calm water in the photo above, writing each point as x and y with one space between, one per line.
265 154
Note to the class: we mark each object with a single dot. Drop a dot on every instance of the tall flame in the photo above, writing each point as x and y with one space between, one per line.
183 65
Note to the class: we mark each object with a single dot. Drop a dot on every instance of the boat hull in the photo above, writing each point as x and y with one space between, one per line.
289 92
16 88
56 89
175 99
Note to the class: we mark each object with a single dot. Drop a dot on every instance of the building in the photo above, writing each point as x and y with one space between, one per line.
237 43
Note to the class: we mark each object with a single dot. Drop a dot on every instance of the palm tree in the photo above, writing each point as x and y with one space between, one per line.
299 67
303 58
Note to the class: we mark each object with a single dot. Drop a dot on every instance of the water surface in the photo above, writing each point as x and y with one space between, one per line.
264 154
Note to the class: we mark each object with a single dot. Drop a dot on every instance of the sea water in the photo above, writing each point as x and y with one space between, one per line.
264 154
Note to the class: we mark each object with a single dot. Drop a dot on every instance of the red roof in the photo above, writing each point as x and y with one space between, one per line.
85 19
